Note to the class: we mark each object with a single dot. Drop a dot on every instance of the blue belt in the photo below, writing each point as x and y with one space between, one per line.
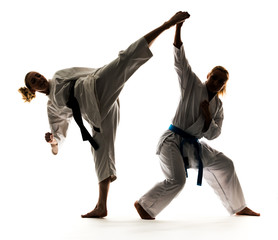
193 140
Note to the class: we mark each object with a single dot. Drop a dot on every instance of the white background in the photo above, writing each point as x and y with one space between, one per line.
47 36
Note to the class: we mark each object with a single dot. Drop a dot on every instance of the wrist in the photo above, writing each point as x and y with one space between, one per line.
178 44
178 27
53 142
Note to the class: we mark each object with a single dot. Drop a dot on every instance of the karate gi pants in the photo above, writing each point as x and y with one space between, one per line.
219 172
110 81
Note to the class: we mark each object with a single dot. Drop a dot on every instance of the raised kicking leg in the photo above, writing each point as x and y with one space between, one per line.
122 69
112 77
100 210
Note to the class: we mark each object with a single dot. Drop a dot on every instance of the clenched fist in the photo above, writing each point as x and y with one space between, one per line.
50 139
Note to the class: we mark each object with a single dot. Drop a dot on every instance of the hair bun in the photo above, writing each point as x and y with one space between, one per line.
26 93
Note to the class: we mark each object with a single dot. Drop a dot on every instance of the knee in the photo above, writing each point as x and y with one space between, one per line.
230 165
229 169
225 163
177 183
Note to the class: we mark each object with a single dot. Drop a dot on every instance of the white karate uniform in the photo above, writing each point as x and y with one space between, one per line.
97 92
218 169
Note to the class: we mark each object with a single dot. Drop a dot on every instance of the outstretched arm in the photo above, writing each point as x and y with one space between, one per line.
179 17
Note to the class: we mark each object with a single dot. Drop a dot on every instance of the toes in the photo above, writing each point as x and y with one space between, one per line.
95 214
248 212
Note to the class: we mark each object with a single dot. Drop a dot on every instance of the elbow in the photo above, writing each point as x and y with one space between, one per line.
211 135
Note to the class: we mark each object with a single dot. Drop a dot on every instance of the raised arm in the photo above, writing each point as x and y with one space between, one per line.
177 39
186 76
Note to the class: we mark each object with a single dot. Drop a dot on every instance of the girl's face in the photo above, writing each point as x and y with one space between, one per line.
216 81
38 82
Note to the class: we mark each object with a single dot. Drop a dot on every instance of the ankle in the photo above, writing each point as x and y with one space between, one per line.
166 25
101 206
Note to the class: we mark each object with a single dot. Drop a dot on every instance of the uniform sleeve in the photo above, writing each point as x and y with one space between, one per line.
185 74
215 127
59 121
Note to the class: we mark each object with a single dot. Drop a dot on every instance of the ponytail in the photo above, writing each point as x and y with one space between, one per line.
27 94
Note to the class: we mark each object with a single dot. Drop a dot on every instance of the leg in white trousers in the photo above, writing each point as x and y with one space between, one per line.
113 76
109 83
221 176
219 173
171 161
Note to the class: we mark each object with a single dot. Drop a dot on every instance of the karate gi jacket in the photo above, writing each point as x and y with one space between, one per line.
188 115
59 115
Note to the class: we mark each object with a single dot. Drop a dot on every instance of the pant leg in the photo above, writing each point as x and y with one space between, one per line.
157 198
221 176
104 157
112 77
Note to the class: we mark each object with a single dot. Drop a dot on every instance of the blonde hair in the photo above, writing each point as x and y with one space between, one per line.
27 94
224 70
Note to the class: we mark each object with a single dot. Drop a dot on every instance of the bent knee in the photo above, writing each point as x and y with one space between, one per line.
226 163
177 183
230 165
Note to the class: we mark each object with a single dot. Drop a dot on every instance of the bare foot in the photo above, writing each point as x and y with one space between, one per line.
247 212
141 211
179 17
98 212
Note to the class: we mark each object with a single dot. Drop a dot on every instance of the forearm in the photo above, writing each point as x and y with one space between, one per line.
206 113
177 39
207 124
213 131
212 126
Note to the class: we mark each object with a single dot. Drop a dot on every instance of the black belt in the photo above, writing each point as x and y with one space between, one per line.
193 140
74 105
